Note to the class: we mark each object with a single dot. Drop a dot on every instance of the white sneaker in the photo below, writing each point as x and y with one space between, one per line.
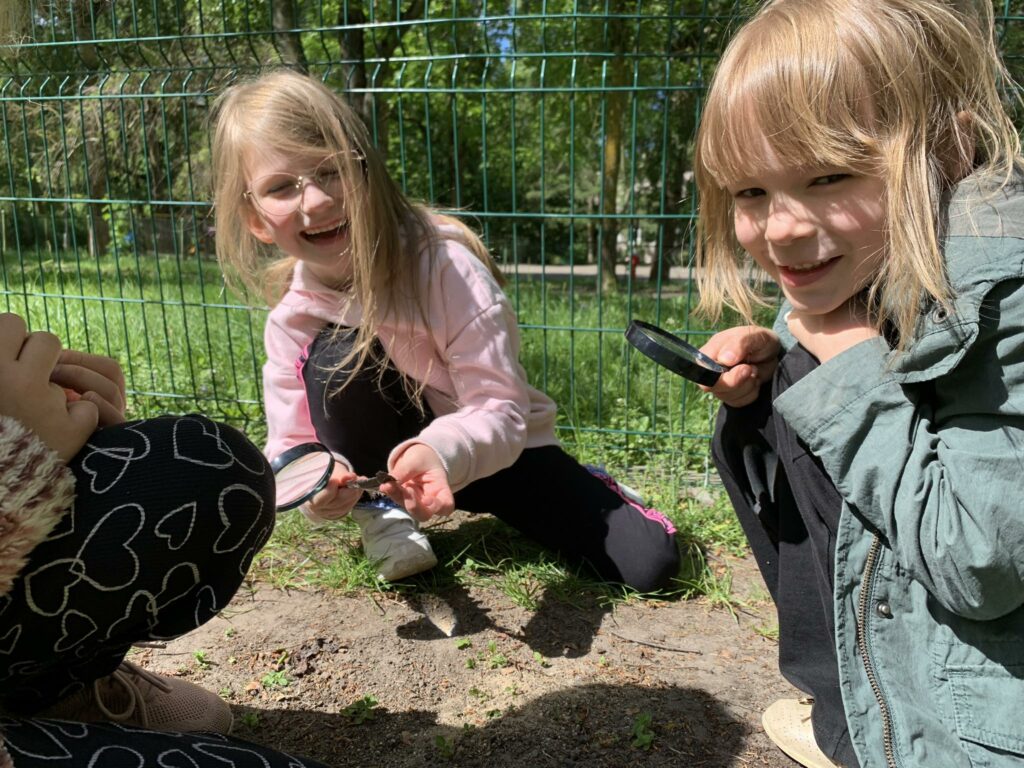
392 540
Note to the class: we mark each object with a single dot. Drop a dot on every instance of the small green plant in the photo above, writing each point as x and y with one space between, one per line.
463 643
201 660
494 659
230 632
224 693
249 720
602 661
539 658
769 632
470 663
361 710
498 661
276 679
491 714
445 747
643 736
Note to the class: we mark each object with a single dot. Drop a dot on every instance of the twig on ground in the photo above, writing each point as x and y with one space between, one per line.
661 646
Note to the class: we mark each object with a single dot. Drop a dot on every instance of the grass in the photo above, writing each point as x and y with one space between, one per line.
188 345
484 552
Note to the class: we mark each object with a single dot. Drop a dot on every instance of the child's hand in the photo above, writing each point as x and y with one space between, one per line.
96 379
421 483
28 395
826 336
753 353
335 500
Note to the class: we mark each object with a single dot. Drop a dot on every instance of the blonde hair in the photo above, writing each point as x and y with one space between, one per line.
298 116
905 89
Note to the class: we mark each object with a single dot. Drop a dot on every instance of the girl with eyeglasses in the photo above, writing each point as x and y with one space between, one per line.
391 342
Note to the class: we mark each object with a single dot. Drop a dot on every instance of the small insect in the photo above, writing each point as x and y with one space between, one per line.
371 483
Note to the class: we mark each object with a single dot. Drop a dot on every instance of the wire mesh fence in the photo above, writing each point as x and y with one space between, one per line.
561 129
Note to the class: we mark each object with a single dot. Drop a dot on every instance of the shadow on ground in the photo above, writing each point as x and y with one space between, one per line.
597 726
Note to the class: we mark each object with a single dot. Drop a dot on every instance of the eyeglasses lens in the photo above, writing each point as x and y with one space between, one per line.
280 194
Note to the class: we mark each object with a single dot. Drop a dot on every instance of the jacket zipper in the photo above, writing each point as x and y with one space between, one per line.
862 646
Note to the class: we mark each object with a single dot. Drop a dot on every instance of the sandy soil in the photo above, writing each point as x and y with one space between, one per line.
370 681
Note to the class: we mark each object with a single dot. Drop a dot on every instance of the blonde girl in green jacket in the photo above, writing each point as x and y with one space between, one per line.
859 152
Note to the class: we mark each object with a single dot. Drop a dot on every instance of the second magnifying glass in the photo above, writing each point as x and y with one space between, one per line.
671 352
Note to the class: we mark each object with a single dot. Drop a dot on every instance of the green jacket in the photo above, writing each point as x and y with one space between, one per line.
927 450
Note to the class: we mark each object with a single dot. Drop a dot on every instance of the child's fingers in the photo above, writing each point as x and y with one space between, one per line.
743 344
107 367
415 499
334 501
443 502
428 497
12 335
82 380
737 387
40 352
411 503
108 413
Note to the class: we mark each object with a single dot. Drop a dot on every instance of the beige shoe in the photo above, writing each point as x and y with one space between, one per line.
788 723
132 695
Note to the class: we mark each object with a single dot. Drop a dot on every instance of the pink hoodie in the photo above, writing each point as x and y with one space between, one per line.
468 355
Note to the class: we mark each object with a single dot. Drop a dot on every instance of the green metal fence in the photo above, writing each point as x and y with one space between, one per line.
561 129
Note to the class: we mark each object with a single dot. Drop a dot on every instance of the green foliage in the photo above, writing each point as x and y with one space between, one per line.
361 710
445 746
276 679
643 736
768 632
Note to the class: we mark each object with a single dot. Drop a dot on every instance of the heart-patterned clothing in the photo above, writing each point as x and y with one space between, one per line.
144 535
37 743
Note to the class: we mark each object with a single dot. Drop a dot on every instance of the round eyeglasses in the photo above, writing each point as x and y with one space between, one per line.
280 194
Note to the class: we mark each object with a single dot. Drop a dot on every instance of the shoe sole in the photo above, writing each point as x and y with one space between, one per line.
407 569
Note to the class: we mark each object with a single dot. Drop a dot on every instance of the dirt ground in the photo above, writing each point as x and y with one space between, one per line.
370 681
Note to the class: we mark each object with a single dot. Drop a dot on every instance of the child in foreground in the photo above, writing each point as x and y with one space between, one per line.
391 342
114 532
872 444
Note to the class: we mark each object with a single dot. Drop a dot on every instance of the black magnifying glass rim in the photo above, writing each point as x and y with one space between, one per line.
297 452
645 338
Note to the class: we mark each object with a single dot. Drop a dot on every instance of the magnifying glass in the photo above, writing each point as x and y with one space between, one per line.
301 473
669 351
304 470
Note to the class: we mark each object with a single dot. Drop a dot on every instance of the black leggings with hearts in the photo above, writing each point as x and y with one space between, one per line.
168 515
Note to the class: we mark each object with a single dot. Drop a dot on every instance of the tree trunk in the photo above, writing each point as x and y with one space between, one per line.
286 40
353 56
613 143
351 36
680 109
